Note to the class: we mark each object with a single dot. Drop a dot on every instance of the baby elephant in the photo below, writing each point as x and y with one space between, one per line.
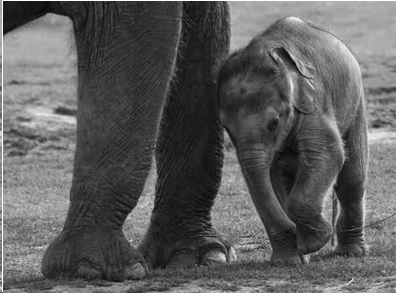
292 103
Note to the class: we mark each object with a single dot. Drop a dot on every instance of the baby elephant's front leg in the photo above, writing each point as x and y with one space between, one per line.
320 161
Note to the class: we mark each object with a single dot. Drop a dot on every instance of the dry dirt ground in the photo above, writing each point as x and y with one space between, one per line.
39 140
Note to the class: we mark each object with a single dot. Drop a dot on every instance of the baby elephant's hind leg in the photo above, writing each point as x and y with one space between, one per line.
350 189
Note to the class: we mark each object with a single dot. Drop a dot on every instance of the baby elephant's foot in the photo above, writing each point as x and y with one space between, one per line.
284 250
312 234
351 248
350 242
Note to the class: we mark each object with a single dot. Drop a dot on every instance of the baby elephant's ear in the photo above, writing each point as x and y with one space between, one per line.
304 87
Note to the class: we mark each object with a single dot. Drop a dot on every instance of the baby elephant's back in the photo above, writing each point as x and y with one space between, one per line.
314 43
337 73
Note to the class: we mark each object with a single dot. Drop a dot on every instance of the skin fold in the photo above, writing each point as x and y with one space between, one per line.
145 87
292 102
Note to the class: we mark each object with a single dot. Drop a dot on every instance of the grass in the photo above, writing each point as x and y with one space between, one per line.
35 212
39 146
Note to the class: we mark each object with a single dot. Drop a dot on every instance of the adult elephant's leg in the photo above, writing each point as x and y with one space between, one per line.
126 54
350 189
189 150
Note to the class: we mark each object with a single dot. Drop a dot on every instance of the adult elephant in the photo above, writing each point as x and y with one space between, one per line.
128 53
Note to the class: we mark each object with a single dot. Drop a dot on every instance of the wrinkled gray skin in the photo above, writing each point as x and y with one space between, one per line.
292 102
127 54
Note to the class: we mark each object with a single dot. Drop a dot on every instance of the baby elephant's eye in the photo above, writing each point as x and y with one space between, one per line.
273 124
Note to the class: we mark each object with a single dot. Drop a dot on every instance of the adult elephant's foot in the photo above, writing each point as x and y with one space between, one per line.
184 246
100 253
312 234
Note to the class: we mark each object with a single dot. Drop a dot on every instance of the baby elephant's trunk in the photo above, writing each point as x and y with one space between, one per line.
256 170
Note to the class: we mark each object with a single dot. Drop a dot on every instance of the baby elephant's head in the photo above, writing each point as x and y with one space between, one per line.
258 90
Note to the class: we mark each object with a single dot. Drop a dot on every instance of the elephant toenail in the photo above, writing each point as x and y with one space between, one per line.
232 255
214 257
305 259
